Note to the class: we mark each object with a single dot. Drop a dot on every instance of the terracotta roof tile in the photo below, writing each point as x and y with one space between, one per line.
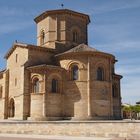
26 46
59 11
80 48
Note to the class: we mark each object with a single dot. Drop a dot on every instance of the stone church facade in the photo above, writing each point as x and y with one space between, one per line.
62 77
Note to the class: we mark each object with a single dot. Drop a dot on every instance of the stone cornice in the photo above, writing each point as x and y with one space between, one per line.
1 73
117 76
61 11
44 67
27 46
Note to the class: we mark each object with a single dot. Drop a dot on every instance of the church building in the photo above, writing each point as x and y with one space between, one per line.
60 78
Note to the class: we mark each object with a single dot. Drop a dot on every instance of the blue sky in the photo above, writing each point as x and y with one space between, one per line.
114 28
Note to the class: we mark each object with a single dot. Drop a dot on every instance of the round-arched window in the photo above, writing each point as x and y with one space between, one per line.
100 74
36 85
11 108
54 86
1 90
75 36
42 37
74 72
114 91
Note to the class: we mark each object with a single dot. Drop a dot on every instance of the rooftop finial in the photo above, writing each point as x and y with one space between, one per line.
15 41
62 5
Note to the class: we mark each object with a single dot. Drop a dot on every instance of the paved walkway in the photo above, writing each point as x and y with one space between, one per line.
46 137
49 137
70 121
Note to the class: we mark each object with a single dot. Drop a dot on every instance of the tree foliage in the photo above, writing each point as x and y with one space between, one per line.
132 108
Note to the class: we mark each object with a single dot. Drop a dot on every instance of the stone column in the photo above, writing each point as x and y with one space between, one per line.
44 95
119 88
111 102
26 95
44 105
57 28
110 91
88 90
6 77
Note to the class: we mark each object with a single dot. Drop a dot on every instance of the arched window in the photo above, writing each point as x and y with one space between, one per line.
75 36
11 108
54 86
42 37
114 91
100 74
1 89
36 85
15 81
74 72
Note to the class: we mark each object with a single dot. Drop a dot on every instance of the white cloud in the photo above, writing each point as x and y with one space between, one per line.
115 5
130 69
126 60
115 31
122 46
130 81
14 26
14 19
130 89
127 70
12 11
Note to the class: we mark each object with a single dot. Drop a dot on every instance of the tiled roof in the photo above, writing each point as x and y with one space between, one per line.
60 11
44 66
80 48
1 71
26 46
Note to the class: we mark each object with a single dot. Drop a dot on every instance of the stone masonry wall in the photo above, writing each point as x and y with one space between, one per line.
109 129
76 98
15 65
2 80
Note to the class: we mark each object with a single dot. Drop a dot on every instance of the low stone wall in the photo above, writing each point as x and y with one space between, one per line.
76 128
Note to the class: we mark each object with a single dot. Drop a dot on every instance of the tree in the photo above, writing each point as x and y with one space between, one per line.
131 111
